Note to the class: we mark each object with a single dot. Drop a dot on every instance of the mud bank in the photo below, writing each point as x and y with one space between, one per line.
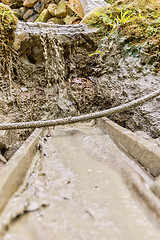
57 72
129 76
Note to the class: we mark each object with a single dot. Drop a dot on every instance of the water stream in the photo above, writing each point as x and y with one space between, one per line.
72 192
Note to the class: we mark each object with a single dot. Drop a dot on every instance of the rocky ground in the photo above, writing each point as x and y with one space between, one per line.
54 75
51 11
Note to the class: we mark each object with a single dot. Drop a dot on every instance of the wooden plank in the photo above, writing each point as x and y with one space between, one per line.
144 151
15 170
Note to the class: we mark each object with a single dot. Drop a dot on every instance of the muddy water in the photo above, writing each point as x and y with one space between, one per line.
72 192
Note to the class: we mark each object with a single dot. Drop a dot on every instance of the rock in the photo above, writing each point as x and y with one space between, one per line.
56 21
28 14
3 143
36 6
9 153
77 21
93 14
90 5
40 5
29 3
70 12
7 138
33 18
13 3
51 8
70 20
61 10
20 12
19 39
76 7
44 16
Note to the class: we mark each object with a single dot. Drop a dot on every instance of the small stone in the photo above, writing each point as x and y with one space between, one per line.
70 20
44 16
76 7
24 89
28 14
70 12
93 13
20 12
13 3
51 8
33 18
7 138
29 3
61 10
41 5
12 149
36 6
20 39
3 143
56 21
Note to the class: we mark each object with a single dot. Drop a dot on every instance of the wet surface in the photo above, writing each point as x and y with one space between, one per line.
1 164
72 192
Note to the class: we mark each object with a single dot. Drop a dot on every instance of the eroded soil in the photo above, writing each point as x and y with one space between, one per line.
58 72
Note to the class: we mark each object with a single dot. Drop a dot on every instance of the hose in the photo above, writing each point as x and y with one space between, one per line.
81 118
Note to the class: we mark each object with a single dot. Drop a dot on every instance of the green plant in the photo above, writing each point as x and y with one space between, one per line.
108 19
124 15
97 52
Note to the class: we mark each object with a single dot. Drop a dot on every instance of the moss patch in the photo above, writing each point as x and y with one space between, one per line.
8 23
138 21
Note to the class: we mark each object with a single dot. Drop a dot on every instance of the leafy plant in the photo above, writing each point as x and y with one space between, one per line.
125 15
108 19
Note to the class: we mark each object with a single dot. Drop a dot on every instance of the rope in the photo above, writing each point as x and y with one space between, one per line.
81 118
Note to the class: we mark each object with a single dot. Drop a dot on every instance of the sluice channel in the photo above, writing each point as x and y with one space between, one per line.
93 180
74 182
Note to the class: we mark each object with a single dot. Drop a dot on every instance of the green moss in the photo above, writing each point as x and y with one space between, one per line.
8 23
110 1
138 21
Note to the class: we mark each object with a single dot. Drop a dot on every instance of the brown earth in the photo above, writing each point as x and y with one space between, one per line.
41 85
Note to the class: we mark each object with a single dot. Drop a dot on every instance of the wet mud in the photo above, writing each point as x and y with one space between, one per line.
60 71
75 190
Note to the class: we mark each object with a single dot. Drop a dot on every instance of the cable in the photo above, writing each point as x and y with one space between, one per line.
81 118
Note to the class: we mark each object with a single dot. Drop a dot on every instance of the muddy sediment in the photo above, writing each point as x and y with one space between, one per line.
78 172
62 71
59 73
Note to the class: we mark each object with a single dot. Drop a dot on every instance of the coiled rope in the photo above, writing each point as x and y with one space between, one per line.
81 118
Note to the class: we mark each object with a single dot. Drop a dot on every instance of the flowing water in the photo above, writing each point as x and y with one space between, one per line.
48 53
75 191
